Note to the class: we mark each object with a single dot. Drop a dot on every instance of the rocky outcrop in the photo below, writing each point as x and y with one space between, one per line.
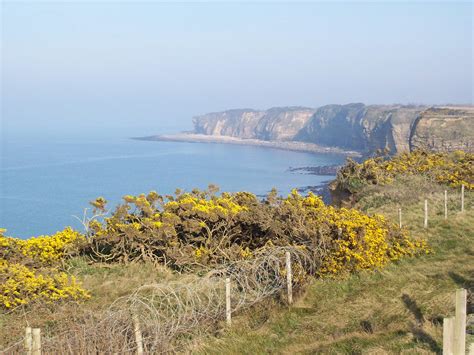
336 125
444 129
364 128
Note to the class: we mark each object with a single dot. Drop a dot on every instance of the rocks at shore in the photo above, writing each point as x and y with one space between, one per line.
325 170
321 190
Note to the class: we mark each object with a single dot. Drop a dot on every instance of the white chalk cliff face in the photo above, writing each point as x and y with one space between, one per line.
279 124
354 126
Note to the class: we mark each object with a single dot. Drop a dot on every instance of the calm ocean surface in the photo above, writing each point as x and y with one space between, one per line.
44 184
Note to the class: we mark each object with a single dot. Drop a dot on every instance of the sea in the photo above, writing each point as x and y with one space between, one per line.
45 185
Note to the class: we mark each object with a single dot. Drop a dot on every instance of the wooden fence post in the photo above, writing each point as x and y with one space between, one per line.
445 204
228 309
289 278
36 343
462 198
426 214
460 322
138 334
400 217
448 335
28 340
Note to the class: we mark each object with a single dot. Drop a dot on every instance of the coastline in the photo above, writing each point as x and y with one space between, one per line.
284 145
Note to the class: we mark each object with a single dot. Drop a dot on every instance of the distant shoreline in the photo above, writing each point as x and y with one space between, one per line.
284 145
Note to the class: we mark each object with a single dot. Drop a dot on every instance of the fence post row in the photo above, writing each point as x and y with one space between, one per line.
228 309
289 277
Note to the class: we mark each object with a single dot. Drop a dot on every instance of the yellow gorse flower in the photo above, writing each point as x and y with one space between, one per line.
360 242
28 269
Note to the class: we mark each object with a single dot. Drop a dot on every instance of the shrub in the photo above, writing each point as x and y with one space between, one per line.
453 169
29 269
202 229
365 242
20 284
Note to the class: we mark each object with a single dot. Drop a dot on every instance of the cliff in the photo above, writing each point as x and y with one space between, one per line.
363 128
280 124
444 129
359 127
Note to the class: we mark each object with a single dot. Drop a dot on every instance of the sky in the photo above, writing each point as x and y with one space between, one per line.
139 68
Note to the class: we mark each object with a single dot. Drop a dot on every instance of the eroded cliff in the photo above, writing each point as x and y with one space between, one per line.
364 128
444 129
280 123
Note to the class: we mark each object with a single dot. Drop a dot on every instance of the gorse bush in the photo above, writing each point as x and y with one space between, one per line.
20 284
45 250
365 243
453 169
200 230
203 229
30 269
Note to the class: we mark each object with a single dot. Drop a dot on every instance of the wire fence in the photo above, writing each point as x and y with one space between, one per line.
165 317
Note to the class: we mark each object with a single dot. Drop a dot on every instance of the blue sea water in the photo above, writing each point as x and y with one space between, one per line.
43 184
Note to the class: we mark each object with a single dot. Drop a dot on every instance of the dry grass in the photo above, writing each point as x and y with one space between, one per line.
397 310
171 310
105 282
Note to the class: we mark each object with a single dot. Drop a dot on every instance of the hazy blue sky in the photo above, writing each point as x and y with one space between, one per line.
141 68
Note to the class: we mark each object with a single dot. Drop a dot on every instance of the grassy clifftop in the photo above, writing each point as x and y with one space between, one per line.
399 309
362 284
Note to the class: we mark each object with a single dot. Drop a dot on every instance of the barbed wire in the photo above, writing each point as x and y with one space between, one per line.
170 314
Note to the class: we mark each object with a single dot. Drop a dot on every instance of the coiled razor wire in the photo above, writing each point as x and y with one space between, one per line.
170 314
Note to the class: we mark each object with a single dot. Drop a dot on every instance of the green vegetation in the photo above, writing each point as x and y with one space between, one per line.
364 296
399 309
203 229
453 169
30 269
